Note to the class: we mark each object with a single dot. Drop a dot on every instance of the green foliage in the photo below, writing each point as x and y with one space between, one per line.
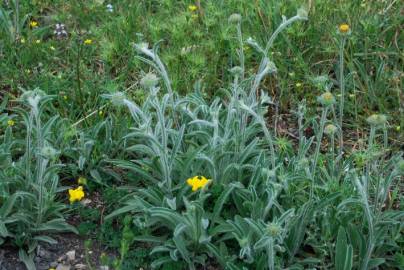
273 201
262 202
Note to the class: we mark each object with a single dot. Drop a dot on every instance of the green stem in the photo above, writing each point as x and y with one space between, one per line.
241 54
342 98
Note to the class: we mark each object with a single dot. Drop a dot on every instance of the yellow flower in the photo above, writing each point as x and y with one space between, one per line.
22 40
192 8
398 128
82 181
344 28
197 182
37 41
10 123
33 24
88 41
76 194
100 113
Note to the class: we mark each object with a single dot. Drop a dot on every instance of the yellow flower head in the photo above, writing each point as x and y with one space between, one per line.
100 113
82 181
33 24
88 41
344 28
197 182
10 123
37 41
192 8
76 194
22 40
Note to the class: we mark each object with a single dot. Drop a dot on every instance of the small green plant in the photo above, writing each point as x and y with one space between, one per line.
29 210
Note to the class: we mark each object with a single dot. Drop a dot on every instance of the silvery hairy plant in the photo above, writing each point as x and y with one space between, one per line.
271 202
29 211
174 138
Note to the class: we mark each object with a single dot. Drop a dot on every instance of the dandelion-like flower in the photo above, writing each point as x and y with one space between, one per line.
88 41
76 195
192 8
197 182
10 123
33 24
344 28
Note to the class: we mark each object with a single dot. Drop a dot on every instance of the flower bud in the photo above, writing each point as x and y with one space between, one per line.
273 230
117 98
326 99
236 71
302 13
235 18
150 80
49 152
377 120
330 129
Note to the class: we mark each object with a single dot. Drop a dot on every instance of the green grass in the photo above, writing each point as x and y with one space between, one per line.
275 201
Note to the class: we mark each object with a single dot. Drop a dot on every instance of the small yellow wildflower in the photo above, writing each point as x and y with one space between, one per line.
37 41
10 123
197 182
33 24
76 194
82 181
192 8
88 41
298 85
344 28
22 40
398 128
100 113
